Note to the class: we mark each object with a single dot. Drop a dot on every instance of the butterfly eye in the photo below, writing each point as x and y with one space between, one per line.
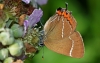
59 9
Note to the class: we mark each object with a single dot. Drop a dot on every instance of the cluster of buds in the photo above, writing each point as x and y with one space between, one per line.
19 34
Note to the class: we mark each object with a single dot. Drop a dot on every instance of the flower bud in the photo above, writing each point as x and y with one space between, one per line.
6 38
17 30
16 48
3 54
20 43
8 60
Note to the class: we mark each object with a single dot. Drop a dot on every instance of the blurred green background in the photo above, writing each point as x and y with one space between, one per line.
87 15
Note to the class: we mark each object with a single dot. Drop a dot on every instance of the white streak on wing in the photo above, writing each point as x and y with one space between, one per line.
70 53
62 28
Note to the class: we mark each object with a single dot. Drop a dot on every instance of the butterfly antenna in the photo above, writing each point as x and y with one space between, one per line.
66 5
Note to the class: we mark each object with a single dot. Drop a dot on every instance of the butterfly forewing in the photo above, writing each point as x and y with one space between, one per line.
57 29
50 24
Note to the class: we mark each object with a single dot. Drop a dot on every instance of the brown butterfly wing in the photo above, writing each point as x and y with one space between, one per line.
62 46
55 41
53 28
73 21
78 45
72 46
53 32
50 24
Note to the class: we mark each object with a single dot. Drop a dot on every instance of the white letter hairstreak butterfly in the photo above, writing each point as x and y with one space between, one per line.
61 36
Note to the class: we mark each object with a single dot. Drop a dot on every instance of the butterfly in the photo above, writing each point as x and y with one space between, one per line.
61 35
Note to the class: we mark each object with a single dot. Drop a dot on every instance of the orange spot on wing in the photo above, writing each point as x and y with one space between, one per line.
66 15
